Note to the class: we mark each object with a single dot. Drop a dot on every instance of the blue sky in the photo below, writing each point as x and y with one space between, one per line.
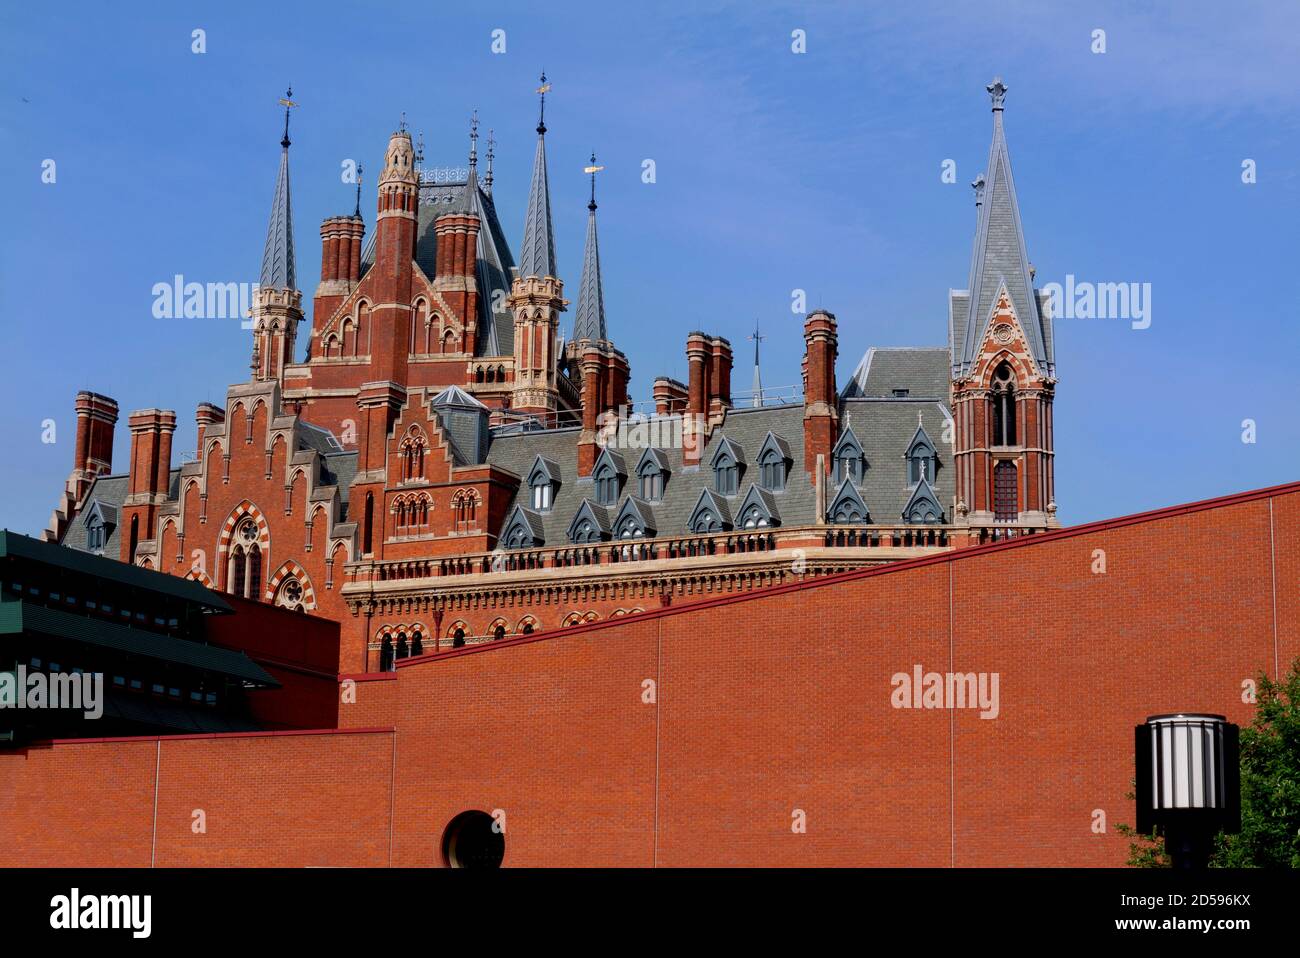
775 171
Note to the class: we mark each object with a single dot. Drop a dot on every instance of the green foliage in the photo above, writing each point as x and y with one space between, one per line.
1144 851
1270 782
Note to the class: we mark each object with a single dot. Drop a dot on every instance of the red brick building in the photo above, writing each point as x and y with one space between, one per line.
439 466
762 728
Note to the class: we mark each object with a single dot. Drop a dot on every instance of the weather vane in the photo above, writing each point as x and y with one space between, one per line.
593 169
286 101
541 115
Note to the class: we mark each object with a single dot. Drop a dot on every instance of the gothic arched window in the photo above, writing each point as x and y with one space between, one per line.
606 481
1003 399
244 572
726 475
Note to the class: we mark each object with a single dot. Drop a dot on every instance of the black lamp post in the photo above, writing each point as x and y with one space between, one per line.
1188 783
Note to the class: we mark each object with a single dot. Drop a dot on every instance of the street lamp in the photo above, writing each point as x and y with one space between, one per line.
1188 783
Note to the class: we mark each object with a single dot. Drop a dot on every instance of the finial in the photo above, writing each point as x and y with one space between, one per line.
401 126
473 139
593 170
756 338
541 113
360 170
978 185
287 102
419 150
492 146
998 91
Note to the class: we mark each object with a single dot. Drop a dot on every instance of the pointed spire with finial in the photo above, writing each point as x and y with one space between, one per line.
999 259
537 254
473 148
360 170
758 380
491 153
589 321
277 256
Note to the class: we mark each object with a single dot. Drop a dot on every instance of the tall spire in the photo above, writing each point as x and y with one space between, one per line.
277 257
999 258
537 256
758 380
589 322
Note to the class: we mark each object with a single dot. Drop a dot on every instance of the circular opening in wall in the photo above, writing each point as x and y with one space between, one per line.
471 842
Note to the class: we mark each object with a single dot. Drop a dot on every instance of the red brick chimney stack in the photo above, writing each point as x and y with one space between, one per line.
820 402
96 417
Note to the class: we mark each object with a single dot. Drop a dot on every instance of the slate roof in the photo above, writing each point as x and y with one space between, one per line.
885 428
277 256
537 254
923 371
495 261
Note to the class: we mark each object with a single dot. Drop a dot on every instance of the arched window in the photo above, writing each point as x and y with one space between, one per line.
726 476
417 643
367 538
458 638
403 650
528 628
1003 400
754 518
244 572
94 534
386 654
499 633
541 493
135 537
606 481
772 468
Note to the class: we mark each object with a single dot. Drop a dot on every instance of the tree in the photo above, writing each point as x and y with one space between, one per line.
1270 782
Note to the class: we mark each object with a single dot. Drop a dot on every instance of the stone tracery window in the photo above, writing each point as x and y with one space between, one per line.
244 569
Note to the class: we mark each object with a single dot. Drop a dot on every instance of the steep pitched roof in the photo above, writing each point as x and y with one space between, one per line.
537 254
277 256
999 259
589 321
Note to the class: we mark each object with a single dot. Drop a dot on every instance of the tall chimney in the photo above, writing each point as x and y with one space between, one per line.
820 403
96 417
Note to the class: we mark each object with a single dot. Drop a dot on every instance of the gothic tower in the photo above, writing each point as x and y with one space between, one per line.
1003 367
277 305
537 294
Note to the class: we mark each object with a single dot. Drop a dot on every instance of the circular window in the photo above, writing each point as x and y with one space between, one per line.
471 841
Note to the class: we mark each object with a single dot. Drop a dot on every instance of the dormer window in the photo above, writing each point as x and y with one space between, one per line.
652 475
606 480
726 476
95 534
848 458
541 495
543 482
921 458
607 477
773 463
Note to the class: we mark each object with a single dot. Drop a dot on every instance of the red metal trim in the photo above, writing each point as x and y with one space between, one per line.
210 735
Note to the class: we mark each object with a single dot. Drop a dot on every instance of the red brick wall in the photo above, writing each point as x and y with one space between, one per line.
290 798
764 704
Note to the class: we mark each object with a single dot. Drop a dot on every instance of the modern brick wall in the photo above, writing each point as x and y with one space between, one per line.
765 704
